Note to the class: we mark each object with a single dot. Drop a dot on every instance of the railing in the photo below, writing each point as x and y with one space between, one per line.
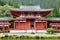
20 21
40 21
55 24
30 16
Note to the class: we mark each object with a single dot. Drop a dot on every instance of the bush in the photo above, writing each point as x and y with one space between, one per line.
50 30
37 37
6 36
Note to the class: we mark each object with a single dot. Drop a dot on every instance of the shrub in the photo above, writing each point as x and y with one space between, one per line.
32 33
37 37
22 36
50 30
6 36
2 37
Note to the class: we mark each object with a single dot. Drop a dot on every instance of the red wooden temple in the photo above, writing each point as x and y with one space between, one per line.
29 18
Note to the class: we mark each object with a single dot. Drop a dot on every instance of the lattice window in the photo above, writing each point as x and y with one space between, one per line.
5 23
58 28
6 27
38 15
22 14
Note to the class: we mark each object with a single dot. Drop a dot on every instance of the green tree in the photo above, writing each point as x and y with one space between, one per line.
5 12
2 2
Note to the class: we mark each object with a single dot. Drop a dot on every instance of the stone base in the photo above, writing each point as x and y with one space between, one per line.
27 31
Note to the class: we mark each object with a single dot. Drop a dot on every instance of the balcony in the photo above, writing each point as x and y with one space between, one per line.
30 17
20 20
54 24
41 21
4 23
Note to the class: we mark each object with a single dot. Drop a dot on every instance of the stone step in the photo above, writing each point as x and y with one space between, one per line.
27 31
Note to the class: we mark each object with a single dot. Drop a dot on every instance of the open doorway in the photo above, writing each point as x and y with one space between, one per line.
32 23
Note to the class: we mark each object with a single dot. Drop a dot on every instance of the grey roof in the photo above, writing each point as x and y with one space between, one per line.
6 18
22 7
20 19
57 19
30 8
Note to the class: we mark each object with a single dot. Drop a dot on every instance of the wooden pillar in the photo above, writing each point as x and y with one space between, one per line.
3 28
14 25
8 28
56 26
43 24
34 24
46 24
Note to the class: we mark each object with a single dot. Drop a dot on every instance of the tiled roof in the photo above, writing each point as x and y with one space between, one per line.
30 8
35 9
57 19
6 18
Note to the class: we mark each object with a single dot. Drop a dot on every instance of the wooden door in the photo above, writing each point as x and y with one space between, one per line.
40 25
20 25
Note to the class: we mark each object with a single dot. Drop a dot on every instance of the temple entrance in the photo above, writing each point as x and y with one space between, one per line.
32 23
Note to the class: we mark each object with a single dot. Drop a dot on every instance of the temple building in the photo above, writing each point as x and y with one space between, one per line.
28 18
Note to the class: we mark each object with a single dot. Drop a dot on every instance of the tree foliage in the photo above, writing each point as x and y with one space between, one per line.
2 2
50 30
4 11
